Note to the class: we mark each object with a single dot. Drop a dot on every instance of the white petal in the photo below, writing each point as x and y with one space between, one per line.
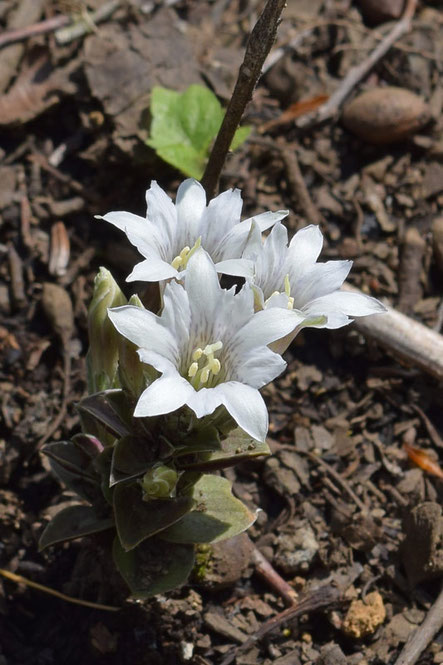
246 406
204 401
190 204
338 306
160 363
144 329
304 250
218 218
236 268
152 270
264 327
266 219
162 212
163 396
271 268
176 315
125 221
259 367
203 289
320 280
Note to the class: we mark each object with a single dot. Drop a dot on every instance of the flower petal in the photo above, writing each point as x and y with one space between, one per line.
163 396
203 289
219 217
246 406
190 204
124 221
236 268
322 279
152 270
162 212
259 367
176 315
262 329
144 329
304 250
267 219
338 306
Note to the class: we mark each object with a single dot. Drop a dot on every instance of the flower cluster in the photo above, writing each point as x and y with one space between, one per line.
211 346
175 394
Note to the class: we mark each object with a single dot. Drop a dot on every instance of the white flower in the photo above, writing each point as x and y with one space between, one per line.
291 278
210 347
170 234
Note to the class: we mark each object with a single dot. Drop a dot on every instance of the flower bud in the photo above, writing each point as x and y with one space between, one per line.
102 357
159 482
130 369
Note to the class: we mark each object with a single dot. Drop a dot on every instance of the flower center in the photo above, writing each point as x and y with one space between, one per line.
182 259
287 292
204 365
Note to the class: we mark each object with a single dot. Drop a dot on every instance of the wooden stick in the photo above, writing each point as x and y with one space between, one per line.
420 638
357 73
259 44
405 338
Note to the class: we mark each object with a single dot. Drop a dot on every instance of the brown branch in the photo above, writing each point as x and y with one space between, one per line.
311 602
357 73
420 638
41 28
259 44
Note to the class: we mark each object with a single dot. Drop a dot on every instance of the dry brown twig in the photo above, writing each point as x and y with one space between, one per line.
420 638
259 44
357 73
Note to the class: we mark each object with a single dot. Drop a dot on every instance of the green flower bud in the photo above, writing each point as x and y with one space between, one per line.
159 482
130 368
102 357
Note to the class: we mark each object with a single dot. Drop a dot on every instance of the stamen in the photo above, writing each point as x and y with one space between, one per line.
287 286
204 376
290 303
193 369
201 375
181 260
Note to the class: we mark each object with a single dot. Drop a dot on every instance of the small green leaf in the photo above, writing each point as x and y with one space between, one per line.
154 566
75 468
184 125
218 515
137 520
240 136
73 522
102 408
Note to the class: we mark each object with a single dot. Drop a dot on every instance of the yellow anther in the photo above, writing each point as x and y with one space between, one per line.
197 354
193 369
290 303
215 366
204 376
176 263
212 348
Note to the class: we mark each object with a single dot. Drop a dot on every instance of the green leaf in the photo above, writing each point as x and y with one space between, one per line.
75 468
154 566
218 515
184 125
73 522
237 447
137 520
103 408
131 458
240 136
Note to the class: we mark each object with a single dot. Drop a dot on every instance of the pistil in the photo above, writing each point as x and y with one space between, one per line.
181 260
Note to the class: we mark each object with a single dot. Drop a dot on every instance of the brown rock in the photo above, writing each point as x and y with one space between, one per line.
379 11
385 115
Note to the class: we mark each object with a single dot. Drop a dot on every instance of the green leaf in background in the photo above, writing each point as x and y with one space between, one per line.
184 125
73 522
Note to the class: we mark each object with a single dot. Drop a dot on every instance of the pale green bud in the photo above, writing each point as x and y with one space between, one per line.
131 371
159 482
104 339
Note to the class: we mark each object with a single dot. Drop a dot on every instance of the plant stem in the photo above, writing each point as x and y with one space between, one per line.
259 44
